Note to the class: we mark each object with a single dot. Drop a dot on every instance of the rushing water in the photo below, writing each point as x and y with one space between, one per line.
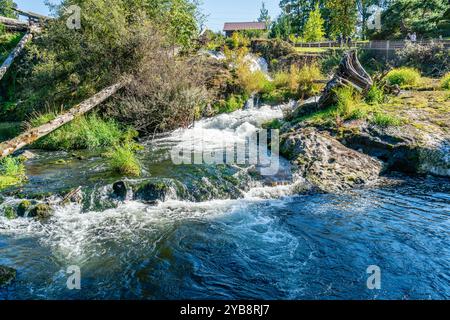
264 242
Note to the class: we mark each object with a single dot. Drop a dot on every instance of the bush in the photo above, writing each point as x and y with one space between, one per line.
385 120
375 95
232 103
89 132
12 172
445 82
432 59
305 79
122 160
404 77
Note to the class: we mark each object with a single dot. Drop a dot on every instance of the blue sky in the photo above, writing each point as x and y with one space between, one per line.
218 11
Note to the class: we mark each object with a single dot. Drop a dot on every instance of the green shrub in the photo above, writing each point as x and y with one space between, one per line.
233 103
122 160
12 172
404 77
305 79
89 132
375 95
274 124
385 120
445 82
39 119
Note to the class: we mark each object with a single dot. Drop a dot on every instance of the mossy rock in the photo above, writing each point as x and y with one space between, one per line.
7 275
152 191
23 208
41 211
120 189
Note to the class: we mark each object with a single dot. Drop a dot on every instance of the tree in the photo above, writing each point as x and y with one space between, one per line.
281 28
343 17
314 28
6 8
426 18
264 14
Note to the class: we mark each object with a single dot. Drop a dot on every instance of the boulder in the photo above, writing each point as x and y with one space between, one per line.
120 190
7 275
41 211
152 191
326 163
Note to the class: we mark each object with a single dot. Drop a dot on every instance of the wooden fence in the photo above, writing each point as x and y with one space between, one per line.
385 45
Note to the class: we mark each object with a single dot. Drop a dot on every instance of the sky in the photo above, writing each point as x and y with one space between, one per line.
217 11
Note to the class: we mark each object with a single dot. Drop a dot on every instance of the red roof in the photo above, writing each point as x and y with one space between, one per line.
237 26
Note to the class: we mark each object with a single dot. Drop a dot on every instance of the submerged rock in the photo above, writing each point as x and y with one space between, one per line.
120 190
7 275
10 213
23 208
326 163
41 212
152 191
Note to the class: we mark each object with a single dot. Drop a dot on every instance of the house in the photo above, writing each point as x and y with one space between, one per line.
231 27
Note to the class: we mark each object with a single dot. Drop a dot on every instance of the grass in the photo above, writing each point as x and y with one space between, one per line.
89 132
445 82
375 95
310 50
385 120
12 172
232 103
122 160
404 77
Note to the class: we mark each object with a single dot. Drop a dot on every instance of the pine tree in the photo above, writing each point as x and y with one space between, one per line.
314 28
264 15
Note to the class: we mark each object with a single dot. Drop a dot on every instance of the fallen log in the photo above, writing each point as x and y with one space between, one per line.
30 136
32 15
13 24
349 74
14 54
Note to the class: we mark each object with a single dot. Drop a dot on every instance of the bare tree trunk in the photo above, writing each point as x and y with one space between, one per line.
349 74
15 53
30 136
13 24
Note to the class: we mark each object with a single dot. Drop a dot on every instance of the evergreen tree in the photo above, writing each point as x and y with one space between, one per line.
314 28
264 14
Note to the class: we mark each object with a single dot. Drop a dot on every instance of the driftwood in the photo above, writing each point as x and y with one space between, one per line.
30 136
32 15
13 24
15 53
349 74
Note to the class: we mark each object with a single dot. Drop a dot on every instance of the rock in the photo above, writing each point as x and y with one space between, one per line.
326 163
23 208
120 190
152 191
7 275
41 212
27 155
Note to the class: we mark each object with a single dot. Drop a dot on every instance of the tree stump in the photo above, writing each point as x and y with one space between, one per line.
350 74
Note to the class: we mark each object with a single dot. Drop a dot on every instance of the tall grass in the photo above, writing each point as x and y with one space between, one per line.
122 160
404 77
88 132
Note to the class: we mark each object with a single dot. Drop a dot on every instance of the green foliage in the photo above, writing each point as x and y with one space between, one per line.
275 124
12 172
375 95
264 14
122 160
385 120
445 82
232 103
6 7
8 41
426 18
349 104
343 17
38 119
314 28
404 77
238 40
89 132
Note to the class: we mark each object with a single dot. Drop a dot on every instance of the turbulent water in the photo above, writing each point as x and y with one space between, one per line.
255 240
